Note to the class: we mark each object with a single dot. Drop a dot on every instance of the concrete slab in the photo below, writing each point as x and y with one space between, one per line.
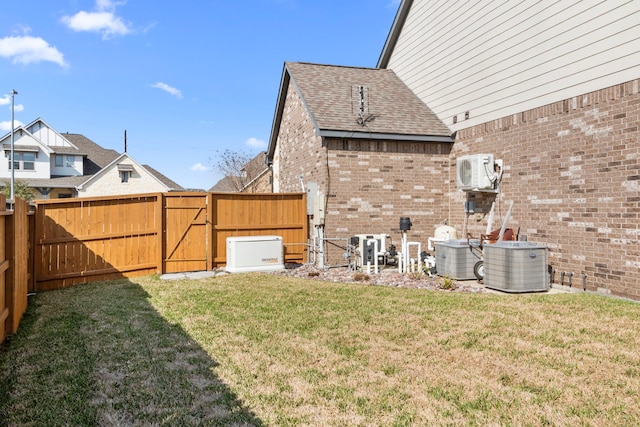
189 275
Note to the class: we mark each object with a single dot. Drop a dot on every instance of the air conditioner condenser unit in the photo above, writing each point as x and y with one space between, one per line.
476 173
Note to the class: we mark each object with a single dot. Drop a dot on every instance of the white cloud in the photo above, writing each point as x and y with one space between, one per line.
18 107
27 50
6 126
256 143
198 167
169 89
103 20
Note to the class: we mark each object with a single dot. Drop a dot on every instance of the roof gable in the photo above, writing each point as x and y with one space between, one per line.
394 34
48 135
154 174
22 137
352 102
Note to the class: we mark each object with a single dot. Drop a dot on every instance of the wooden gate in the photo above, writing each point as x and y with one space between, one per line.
186 246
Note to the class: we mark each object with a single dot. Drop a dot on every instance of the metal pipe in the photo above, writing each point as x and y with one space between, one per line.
562 278
570 278
584 282
13 166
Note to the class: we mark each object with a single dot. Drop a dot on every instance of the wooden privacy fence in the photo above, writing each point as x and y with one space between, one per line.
14 264
91 239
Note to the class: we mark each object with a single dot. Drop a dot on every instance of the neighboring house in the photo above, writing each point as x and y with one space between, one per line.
253 177
228 184
60 165
550 88
370 147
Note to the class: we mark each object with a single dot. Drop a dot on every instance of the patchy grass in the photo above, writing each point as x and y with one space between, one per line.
256 349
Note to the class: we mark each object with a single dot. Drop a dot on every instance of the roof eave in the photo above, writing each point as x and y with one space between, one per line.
327 133
277 116
394 33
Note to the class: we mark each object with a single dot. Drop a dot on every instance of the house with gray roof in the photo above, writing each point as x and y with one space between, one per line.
254 176
364 143
61 165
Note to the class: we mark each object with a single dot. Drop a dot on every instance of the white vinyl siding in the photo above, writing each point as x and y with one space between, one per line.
494 59
47 136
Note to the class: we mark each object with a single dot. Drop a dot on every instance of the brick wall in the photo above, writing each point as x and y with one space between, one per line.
368 185
299 151
572 169
372 184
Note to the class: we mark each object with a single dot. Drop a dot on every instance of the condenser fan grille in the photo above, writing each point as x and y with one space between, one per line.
465 172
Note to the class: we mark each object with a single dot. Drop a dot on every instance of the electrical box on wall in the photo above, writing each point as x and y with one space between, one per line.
318 210
312 193
469 206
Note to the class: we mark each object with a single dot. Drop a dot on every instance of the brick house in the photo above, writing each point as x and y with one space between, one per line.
372 149
536 85
557 99
253 177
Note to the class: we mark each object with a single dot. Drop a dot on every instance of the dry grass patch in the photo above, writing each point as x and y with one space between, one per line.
262 349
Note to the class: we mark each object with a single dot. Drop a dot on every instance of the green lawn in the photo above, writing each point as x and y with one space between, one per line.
257 349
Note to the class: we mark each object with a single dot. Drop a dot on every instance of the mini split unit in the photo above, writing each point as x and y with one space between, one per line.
478 172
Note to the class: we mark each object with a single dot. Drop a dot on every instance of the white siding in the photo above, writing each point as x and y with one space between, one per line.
47 135
496 58
109 183
67 169
41 164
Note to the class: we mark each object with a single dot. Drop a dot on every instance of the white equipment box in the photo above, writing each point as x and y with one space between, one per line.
254 253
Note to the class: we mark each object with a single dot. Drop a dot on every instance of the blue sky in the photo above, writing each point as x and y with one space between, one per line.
186 78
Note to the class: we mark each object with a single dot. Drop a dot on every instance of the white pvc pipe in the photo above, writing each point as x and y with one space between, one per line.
419 245
490 220
375 256
504 224
405 252
319 231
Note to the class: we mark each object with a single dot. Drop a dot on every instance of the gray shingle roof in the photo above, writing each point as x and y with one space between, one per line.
95 159
331 94
172 185
97 156
225 185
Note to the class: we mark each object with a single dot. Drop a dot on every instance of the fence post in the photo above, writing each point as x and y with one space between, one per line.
162 226
209 228
4 267
18 269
